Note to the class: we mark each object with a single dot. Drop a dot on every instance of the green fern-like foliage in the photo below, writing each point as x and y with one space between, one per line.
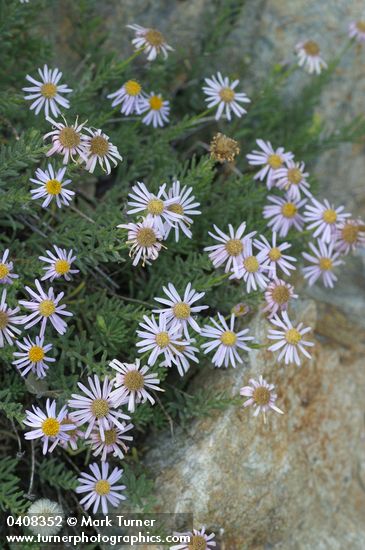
12 499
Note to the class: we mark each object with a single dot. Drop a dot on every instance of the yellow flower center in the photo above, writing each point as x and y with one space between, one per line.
36 354
329 216
62 267
280 294
100 408
155 102
134 380
223 148
293 336
240 309
46 308
48 90
275 161
180 348
4 319
162 339
102 487
176 208
154 38
261 396
182 310
197 542
360 25
146 237
4 271
227 95
69 138
325 264
234 247
155 207
275 254
350 233
311 48
251 264
228 338
289 210
110 436
51 427
99 146
295 176
132 87
53 187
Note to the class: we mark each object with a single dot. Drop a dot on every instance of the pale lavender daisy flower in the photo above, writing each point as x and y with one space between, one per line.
270 159
274 254
180 311
357 30
290 339
45 306
293 179
47 92
323 259
183 359
51 186
96 407
252 269
157 109
33 357
47 425
226 340
323 218
230 248
60 264
221 92
8 318
309 57
114 442
283 214
100 487
98 149
349 235
261 396
129 97
151 41
159 338
131 383
195 540
155 206
6 269
67 140
184 205
278 294
145 240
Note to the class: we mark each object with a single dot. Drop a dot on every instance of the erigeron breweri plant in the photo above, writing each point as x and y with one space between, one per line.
88 335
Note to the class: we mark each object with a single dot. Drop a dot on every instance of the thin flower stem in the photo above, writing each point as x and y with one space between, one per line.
20 452
31 480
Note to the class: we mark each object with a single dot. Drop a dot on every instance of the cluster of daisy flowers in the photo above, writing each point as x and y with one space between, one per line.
167 333
335 232
93 416
74 143
45 307
264 264
168 211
